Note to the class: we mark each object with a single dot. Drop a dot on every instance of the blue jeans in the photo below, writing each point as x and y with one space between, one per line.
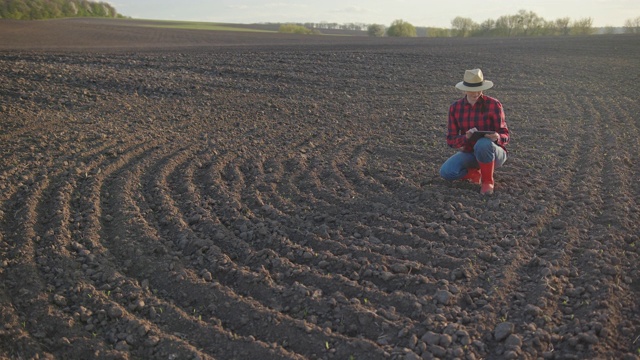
484 151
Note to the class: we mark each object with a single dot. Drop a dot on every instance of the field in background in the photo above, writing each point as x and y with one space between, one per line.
189 25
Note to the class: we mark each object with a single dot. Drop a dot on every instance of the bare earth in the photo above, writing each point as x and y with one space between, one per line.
172 194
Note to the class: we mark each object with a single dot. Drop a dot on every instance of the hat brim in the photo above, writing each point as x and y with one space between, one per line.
487 84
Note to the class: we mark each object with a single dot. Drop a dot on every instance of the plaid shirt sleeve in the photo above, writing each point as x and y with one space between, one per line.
486 115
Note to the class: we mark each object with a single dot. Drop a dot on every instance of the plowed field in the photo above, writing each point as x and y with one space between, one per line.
171 194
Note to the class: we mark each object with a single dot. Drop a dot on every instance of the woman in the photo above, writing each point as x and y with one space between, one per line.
476 159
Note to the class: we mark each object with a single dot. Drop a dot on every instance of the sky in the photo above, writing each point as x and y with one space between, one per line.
426 13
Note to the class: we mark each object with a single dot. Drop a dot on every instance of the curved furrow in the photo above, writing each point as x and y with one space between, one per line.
379 216
153 297
366 164
23 284
54 262
411 306
75 266
374 221
178 230
187 241
131 283
322 246
225 240
54 149
392 161
353 191
44 240
48 213
325 200
246 277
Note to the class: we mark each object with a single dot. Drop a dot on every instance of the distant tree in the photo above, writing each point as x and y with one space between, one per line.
507 25
529 23
15 10
632 26
487 28
582 27
295 29
438 32
548 28
376 30
462 27
562 26
49 9
401 28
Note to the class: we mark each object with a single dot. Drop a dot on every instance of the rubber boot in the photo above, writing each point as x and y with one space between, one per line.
486 170
473 175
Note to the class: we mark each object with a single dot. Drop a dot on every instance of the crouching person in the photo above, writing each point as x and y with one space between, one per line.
478 129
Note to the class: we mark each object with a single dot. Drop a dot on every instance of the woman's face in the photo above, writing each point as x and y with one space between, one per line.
473 96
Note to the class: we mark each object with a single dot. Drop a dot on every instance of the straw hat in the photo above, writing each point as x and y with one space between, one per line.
474 81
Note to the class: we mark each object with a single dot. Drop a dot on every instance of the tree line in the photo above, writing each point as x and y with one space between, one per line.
523 23
51 9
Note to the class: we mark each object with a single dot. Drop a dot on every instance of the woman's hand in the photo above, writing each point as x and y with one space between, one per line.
470 132
493 137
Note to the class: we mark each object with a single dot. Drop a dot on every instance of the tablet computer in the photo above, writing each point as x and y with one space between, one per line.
480 134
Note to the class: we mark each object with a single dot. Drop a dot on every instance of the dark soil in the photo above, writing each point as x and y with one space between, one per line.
171 194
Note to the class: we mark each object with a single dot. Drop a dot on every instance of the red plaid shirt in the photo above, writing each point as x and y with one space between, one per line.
485 115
